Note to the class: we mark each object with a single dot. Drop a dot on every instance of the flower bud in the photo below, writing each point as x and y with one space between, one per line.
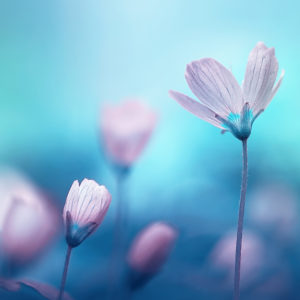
126 129
149 252
85 208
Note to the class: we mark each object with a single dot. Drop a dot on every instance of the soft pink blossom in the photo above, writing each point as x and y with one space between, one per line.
222 101
126 129
274 207
85 207
29 221
151 248
223 254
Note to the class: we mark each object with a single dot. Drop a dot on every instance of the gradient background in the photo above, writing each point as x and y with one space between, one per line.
60 60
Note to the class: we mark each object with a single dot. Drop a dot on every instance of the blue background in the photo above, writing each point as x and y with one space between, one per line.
60 60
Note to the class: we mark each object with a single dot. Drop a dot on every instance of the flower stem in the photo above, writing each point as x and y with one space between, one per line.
239 236
64 276
118 248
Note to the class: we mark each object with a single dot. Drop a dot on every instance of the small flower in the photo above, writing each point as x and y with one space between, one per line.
126 129
85 208
274 208
149 251
28 222
222 255
225 104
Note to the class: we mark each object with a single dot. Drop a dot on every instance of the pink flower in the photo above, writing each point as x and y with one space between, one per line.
274 207
223 255
84 210
151 248
223 102
126 129
29 222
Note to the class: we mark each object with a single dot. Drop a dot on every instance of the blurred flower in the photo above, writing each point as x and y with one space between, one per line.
126 128
85 208
225 104
150 250
274 207
28 221
222 255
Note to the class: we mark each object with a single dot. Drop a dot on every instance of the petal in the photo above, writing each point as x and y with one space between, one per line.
72 200
260 76
274 91
86 196
96 209
196 108
215 86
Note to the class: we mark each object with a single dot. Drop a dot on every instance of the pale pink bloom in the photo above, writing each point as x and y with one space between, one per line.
28 222
222 101
126 129
85 208
274 206
223 255
151 248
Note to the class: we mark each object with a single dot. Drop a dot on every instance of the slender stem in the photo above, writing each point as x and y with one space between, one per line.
118 248
64 276
239 236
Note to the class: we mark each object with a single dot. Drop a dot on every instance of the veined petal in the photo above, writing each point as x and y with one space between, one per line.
72 199
215 86
260 76
274 91
196 108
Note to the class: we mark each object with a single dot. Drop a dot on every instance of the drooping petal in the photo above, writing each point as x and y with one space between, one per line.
215 86
196 108
260 76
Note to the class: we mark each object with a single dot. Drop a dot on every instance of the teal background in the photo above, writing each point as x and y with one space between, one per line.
60 60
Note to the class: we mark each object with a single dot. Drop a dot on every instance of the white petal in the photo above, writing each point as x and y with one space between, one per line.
274 91
72 200
215 86
196 108
260 76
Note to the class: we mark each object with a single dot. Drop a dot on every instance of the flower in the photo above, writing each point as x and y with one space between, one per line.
282 219
85 208
151 248
126 129
28 220
222 255
225 104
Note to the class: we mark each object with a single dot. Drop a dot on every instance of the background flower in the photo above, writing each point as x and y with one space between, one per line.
126 129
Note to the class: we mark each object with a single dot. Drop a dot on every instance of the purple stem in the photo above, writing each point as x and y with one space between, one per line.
118 247
64 276
239 236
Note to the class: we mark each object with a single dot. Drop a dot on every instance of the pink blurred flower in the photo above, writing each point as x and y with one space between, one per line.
222 255
274 206
151 248
28 221
84 210
126 129
223 102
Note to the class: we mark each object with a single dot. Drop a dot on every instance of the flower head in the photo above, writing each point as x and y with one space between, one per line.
223 102
28 220
27 230
151 248
273 207
85 208
126 129
223 253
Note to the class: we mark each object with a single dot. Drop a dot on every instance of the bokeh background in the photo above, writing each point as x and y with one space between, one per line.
61 60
